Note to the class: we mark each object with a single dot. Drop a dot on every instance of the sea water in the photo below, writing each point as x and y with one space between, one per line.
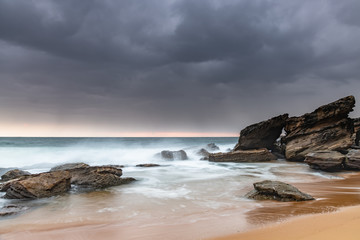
178 192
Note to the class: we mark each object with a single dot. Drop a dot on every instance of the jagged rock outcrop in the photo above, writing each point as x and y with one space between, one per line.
96 177
212 147
353 159
39 185
148 165
275 190
327 128
262 134
69 166
13 174
255 155
174 155
326 160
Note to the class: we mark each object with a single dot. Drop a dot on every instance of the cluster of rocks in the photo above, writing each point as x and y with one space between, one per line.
325 139
59 180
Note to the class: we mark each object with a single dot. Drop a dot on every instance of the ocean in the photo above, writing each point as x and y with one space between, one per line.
178 193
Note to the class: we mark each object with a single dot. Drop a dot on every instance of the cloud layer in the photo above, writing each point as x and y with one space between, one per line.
207 66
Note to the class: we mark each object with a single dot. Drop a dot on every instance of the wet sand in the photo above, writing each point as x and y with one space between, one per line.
343 224
331 196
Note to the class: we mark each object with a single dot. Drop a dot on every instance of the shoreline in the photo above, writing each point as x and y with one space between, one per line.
333 195
342 224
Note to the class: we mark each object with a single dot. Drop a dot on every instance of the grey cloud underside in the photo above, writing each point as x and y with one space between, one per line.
175 65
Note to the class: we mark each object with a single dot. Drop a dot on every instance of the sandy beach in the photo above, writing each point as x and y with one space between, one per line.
331 216
343 224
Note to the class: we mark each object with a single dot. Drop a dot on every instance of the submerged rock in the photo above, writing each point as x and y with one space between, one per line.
212 147
262 134
353 159
257 155
326 160
69 166
203 152
327 128
11 210
39 185
114 166
148 165
279 191
13 174
174 155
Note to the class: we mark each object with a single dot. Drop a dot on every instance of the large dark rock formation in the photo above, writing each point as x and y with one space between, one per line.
275 190
13 174
69 166
326 160
353 159
327 128
174 155
39 185
262 134
357 130
255 155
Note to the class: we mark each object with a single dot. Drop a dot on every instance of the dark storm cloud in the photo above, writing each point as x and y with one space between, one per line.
175 65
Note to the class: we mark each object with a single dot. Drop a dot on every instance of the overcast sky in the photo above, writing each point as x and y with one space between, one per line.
155 67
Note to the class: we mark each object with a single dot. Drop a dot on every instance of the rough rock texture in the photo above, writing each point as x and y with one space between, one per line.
11 210
326 160
327 128
39 185
357 130
148 165
353 159
127 180
174 155
96 177
262 134
257 155
12 174
69 166
275 190
212 147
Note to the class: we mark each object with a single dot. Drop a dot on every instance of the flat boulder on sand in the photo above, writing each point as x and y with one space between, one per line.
69 166
353 159
96 177
327 128
256 155
279 191
174 155
13 174
38 185
262 134
326 160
